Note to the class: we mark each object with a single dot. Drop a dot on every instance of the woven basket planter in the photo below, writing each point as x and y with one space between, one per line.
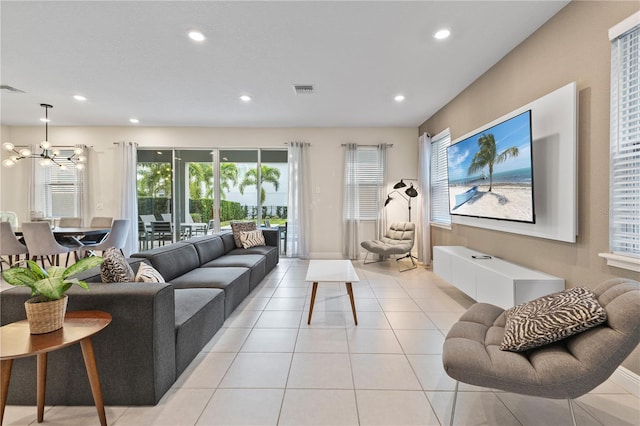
45 317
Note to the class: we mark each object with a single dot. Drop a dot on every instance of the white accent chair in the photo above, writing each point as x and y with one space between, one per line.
41 243
117 238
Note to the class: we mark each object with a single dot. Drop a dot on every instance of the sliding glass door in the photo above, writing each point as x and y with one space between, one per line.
197 191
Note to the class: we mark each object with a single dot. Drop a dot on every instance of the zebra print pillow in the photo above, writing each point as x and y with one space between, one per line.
115 268
238 227
148 274
551 318
252 239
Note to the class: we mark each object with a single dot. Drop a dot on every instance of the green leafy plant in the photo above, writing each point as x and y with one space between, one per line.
52 283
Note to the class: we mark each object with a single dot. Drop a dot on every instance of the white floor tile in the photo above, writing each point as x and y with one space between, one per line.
394 408
279 319
205 371
374 319
320 371
322 340
285 304
399 305
472 409
318 407
178 407
619 410
542 412
421 341
270 340
227 340
242 319
243 407
383 372
252 370
370 341
410 321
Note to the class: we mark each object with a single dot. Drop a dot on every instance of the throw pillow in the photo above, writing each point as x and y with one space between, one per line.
551 318
115 268
148 274
238 227
252 239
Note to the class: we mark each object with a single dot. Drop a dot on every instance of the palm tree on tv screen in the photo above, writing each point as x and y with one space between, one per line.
267 174
488 156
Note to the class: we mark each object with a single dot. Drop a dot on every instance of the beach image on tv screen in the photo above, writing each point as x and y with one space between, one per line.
491 174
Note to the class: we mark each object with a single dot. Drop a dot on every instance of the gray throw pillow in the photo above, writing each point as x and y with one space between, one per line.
551 318
115 268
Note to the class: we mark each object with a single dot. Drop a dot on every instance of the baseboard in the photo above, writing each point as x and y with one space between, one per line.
627 379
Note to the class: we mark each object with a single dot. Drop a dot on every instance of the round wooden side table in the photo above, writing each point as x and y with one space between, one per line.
78 327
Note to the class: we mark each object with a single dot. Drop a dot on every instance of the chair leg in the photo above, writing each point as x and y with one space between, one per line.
573 416
412 261
364 262
453 407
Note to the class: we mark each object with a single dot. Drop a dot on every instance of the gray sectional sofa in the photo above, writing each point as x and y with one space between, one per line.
157 328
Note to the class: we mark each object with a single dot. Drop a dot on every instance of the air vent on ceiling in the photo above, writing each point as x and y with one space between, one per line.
6 88
303 89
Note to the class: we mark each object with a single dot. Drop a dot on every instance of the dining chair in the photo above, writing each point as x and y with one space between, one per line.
117 238
161 232
147 219
70 222
166 217
97 222
144 236
9 244
41 243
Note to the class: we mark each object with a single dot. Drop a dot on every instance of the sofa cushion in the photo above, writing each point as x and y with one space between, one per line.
250 239
115 268
238 227
551 318
199 314
255 262
209 247
172 260
234 281
148 274
228 241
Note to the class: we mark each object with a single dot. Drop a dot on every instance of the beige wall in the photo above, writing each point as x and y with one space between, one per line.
571 46
326 156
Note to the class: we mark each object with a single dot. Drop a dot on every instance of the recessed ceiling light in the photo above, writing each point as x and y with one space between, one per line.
442 34
134 120
196 36
399 98
245 98
79 98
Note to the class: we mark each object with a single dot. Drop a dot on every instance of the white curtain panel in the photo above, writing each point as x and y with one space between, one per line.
381 220
127 158
351 208
423 219
297 242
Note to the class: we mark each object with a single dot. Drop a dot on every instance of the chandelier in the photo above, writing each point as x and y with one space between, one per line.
50 155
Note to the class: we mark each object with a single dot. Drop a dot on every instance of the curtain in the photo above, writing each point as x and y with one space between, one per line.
381 220
83 181
423 231
297 242
351 208
127 158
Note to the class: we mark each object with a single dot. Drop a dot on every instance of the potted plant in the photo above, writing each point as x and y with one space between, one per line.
48 304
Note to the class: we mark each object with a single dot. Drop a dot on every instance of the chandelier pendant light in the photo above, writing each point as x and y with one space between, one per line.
50 155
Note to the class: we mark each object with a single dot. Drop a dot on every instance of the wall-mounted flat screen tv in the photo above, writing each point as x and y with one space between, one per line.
491 172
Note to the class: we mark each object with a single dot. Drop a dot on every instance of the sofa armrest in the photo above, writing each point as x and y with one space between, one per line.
272 237
135 354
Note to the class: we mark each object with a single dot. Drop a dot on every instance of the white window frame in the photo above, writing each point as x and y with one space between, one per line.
624 183
440 216
62 189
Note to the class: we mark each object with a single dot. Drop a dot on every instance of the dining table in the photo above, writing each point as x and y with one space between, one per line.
74 233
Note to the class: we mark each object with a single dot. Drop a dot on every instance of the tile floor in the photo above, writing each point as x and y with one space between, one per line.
268 367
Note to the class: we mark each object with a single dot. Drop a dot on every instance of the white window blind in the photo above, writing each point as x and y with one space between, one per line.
365 172
624 197
439 179
62 188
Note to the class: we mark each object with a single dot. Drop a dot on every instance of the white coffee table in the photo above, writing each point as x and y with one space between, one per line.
332 271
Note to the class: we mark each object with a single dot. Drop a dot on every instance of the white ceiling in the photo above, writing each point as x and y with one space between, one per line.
133 59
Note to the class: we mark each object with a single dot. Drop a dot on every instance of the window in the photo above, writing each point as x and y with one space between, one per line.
62 188
624 189
439 179
368 176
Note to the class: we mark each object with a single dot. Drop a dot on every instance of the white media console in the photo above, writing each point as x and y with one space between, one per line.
489 279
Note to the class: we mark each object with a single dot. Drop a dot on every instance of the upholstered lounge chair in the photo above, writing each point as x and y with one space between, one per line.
565 369
398 240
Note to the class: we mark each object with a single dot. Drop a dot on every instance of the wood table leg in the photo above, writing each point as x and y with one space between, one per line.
353 302
5 370
94 380
41 383
313 300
